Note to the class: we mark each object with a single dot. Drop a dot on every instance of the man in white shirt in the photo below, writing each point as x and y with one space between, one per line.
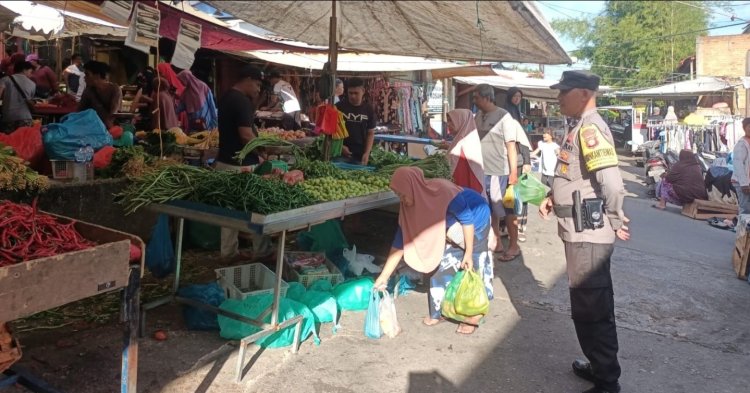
284 99
75 77
741 173
549 150
498 132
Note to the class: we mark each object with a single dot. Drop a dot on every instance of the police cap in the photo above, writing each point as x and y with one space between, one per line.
577 80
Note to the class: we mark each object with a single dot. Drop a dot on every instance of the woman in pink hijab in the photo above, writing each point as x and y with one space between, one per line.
428 209
465 152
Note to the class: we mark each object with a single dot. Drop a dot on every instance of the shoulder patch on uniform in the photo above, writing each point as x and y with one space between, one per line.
598 152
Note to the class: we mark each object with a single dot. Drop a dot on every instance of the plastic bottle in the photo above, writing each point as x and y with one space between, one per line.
79 168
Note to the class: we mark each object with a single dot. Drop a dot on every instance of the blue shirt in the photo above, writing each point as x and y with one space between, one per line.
467 208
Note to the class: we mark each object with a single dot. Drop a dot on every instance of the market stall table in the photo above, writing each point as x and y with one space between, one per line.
269 224
42 284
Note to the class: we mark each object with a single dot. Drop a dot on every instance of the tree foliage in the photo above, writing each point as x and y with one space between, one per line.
638 43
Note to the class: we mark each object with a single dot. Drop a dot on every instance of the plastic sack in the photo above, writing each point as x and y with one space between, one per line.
530 189
326 237
323 306
160 259
196 318
388 318
448 307
509 198
471 297
203 236
103 157
296 291
360 262
27 144
62 140
253 306
372 319
321 285
354 295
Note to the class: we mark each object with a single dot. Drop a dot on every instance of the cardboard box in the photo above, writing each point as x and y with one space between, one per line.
741 247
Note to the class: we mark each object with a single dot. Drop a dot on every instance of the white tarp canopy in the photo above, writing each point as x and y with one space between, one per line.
38 22
533 88
705 85
353 62
512 31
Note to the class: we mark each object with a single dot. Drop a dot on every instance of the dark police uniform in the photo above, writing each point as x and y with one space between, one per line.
588 163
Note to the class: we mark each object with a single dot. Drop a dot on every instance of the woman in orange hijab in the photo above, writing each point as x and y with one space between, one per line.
428 208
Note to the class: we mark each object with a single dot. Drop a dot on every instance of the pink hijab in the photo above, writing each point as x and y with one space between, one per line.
466 145
423 223
195 93
165 71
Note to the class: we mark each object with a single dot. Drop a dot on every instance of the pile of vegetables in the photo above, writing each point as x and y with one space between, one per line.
281 133
380 158
27 234
240 191
434 167
327 189
16 176
262 143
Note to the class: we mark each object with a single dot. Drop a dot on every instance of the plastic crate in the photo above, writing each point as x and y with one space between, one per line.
62 170
334 276
242 281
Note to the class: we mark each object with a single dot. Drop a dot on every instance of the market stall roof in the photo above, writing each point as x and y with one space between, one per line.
513 31
531 87
705 85
353 62
216 35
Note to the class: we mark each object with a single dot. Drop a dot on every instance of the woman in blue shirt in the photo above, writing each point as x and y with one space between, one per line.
429 208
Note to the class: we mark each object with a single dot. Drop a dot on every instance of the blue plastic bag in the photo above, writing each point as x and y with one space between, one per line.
196 318
160 259
62 140
372 319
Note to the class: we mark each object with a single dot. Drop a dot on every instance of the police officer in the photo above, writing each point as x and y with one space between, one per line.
587 162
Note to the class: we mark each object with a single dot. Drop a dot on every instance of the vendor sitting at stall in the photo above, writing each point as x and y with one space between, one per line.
100 95
43 76
428 208
162 103
236 117
683 183
16 90
360 123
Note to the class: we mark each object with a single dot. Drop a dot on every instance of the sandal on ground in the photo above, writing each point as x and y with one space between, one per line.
505 257
463 325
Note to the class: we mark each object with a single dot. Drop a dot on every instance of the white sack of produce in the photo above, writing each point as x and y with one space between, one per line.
360 262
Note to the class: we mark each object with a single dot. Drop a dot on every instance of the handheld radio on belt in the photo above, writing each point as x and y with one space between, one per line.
587 214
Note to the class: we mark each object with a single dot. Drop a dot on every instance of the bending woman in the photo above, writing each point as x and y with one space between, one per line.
683 183
428 208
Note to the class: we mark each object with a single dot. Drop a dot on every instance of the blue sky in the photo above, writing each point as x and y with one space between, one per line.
567 9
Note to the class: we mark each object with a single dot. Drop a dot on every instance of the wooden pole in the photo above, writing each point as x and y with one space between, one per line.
332 60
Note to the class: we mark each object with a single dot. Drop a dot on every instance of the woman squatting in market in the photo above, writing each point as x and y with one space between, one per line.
429 211
683 183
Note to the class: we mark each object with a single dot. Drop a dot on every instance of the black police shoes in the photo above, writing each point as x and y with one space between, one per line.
582 369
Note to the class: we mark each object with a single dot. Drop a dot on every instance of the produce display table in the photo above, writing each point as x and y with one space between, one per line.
277 223
404 139
41 284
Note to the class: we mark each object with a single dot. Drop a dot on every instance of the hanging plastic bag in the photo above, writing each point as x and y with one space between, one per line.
517 202
62 140
388 318
253 306
509 198
358 263
448 307
471 296
354 295
160 259
197 318
530 189
372 319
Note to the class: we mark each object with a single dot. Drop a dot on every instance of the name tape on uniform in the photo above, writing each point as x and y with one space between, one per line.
598 152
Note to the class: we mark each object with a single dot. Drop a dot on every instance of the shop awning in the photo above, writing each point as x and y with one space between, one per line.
706 85
512 31
33 26
216 35
533 88
353 62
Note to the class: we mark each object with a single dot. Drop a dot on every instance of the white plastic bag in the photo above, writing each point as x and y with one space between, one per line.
360 262
388 319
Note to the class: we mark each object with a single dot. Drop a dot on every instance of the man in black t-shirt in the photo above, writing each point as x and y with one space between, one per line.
360 122
236 116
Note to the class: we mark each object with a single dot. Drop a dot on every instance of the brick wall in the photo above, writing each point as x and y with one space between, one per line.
724 56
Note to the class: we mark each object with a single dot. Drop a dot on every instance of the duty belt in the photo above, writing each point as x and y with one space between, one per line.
563 211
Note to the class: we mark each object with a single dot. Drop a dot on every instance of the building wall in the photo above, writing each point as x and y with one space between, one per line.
724 56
